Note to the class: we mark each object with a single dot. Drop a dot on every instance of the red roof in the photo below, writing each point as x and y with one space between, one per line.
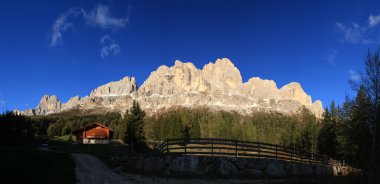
91 124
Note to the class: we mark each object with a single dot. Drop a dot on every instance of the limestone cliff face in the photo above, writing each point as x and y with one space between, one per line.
218 86
223 75
72 103
125 86
317 108
48 105
294 91
182 77
261 88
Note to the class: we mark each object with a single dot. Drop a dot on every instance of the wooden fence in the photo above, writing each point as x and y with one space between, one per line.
235 148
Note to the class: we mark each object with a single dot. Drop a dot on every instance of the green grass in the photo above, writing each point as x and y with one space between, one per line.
29 165
67 137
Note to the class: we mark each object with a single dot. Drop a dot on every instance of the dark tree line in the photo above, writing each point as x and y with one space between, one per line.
17 129
350 131
299 130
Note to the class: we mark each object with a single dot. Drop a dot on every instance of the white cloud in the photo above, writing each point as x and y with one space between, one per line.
2 102
374 20
353 33
331 57
108 46
354 76
101 16
61 24
356 33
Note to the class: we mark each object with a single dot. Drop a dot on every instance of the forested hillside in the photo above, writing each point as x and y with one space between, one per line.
298 130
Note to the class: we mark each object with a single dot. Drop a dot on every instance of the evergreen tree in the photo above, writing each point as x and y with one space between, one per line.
359 132
134 124
371 84
327 137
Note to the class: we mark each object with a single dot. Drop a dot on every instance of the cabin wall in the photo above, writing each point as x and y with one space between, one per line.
95 141
97 132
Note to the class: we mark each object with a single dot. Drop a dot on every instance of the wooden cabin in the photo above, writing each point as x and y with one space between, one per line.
94 133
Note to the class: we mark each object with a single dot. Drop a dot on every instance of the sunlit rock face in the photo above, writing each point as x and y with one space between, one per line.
294 91
218 86
48 105
180 78
223 75
261 88
125 86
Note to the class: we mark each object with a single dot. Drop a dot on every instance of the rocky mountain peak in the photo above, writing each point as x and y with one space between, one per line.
317 108
48 104
123 87
72 103
182 77
223 74
294 91
224 61
218 86
262 88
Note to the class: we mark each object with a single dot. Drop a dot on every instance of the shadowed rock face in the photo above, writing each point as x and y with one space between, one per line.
218 86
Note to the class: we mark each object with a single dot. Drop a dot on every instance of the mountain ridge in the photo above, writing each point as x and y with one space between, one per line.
217 85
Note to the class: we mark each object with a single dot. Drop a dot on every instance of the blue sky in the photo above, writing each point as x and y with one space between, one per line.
68 48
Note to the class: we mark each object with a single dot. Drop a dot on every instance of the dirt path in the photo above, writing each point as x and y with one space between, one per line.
91 170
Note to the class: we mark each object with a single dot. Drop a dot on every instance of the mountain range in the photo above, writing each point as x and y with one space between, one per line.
218 86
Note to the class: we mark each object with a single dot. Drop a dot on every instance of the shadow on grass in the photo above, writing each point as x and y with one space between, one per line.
28 165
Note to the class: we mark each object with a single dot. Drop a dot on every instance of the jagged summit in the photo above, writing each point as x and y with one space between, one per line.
125 86
217 85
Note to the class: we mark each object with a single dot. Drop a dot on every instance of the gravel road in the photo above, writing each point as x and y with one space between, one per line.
90 170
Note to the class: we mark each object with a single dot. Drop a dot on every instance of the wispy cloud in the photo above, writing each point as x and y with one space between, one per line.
109 46
354 76
331 57
2 102
101 16
353 33
374 20
359 34
61 24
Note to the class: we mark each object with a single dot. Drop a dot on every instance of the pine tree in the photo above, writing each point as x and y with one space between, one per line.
370 81
359 129
327 137
134 121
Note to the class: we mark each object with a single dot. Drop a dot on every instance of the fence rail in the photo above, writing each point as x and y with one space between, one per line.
235 148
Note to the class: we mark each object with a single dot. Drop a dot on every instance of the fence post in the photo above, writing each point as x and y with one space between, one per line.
258 149
236 150
212 148
167 146
185 149
276 151
310 157
291 154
